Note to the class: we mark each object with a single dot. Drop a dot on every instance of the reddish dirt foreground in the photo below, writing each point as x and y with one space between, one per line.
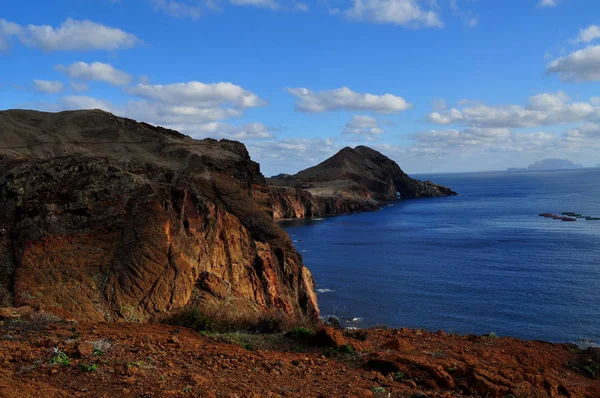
145 360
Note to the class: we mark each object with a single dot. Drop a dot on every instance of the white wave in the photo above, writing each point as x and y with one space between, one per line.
325 290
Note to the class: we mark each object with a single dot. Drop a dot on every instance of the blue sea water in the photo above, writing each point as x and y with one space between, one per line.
479 262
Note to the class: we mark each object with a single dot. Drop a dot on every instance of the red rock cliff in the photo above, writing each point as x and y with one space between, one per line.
104 218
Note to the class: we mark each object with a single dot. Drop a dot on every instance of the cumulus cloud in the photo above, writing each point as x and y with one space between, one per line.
291 155
198 125
96 71
71 35
244 132
398 12
479 141
346 99
588 34
448 117
198 94
178 9
362 128
48 86
582 65
74 102
541 110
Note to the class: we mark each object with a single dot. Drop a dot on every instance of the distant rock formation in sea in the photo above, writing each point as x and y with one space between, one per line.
554 164
548 164
352 180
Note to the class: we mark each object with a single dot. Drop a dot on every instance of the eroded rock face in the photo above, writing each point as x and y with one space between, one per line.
104 218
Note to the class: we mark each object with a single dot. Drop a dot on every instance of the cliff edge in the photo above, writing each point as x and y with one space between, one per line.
104 218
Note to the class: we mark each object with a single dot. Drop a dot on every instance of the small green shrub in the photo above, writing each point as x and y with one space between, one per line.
343 349
301 333
97 352
377 389
59 358
346 349
492 335
249 347
398 376
88 368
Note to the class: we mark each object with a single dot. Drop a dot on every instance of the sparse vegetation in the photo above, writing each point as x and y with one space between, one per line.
343 349
377 389
88 368
59 358
222 319
491 335
586 366
398 376
301 333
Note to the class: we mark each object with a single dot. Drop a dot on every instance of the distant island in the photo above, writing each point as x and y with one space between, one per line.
549 164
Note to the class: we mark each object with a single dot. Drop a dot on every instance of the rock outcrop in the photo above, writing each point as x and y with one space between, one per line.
352 180
104 218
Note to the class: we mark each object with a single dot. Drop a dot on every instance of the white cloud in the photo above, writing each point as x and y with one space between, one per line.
346 99
291 155
198 94
549 3
96 71
48 87
587 130
178 9
448 117
475 141
249 131
199 125
74 102
588 34
541 110
7 29
362 128
72 35
582 65
398 12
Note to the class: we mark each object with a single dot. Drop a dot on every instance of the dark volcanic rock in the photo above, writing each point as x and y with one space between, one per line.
104 218
352 180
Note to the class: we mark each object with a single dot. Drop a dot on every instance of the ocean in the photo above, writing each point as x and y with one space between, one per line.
480 262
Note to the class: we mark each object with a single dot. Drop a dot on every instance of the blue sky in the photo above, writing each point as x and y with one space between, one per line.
438 85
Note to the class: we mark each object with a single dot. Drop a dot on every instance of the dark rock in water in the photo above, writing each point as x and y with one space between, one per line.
105 218
334 322
352 180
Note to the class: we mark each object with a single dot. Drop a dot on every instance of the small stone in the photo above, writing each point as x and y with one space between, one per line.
85 350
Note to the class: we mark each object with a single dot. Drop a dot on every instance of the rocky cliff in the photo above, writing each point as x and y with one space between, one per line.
352 180
104 218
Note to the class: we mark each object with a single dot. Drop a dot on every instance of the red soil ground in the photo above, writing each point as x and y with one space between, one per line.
145 360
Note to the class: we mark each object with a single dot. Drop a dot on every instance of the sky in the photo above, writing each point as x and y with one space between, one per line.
437 85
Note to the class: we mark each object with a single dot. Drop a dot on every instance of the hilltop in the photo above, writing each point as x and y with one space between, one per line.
354 179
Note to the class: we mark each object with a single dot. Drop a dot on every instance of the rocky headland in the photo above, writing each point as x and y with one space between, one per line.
353 180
